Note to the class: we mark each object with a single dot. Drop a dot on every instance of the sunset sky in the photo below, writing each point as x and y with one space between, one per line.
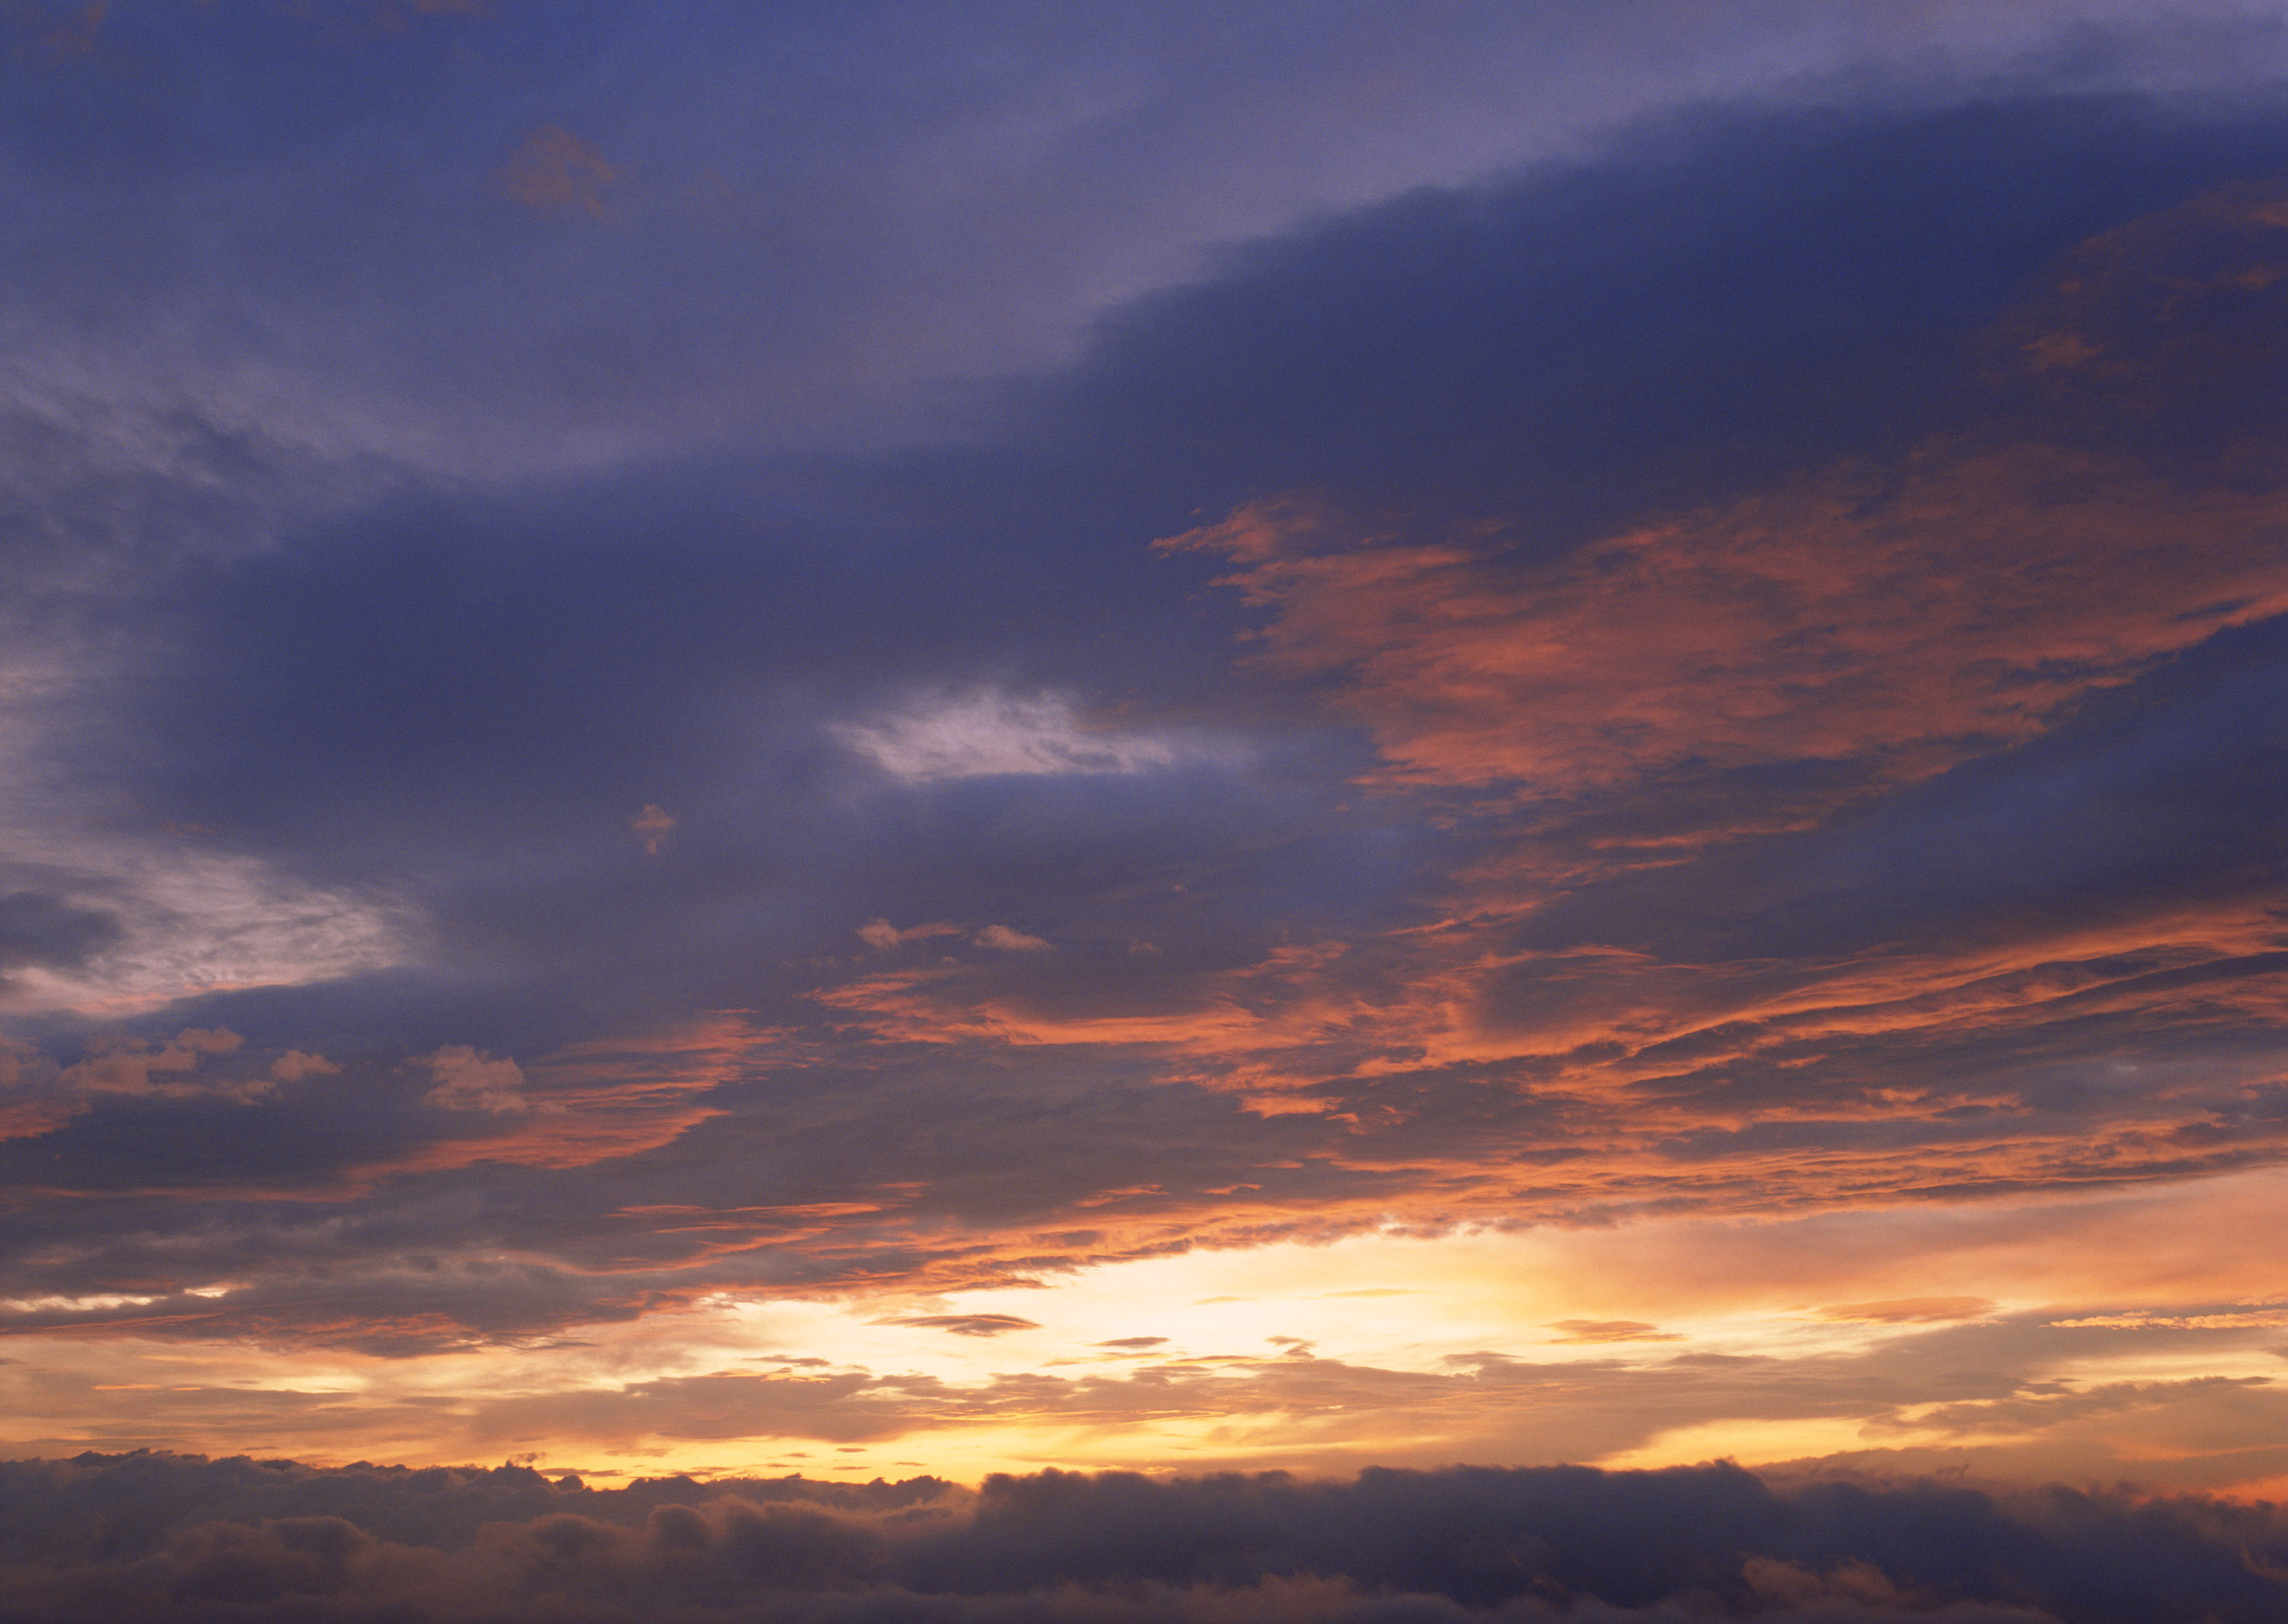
896 737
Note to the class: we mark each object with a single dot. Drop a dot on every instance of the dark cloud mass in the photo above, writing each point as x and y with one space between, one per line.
164 1537
729 726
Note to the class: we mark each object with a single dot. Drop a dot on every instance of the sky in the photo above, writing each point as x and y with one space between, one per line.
931 742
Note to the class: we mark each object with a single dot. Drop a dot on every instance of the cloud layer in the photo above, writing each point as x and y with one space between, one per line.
185 1538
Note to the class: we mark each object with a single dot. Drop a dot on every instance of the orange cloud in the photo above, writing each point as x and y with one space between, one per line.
1593 1331
1682 1085
127 1065
1900 615
581 1105
294 1065
2251 1319
1909 616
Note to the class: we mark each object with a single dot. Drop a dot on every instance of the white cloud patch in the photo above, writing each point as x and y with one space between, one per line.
181 921
991 732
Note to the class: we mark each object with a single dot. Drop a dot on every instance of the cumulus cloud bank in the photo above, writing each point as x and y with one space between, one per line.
162 1537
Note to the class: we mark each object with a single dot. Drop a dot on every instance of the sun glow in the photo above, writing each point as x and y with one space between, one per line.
1648 1344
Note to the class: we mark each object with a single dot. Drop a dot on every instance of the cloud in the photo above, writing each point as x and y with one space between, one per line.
970 1325
881 935
125 1065
2010 581
1010 941
1611 1330
129 921
2243 1319
468 1079
294 1065
996 733
1464 1370
1529 1545
1910 1310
